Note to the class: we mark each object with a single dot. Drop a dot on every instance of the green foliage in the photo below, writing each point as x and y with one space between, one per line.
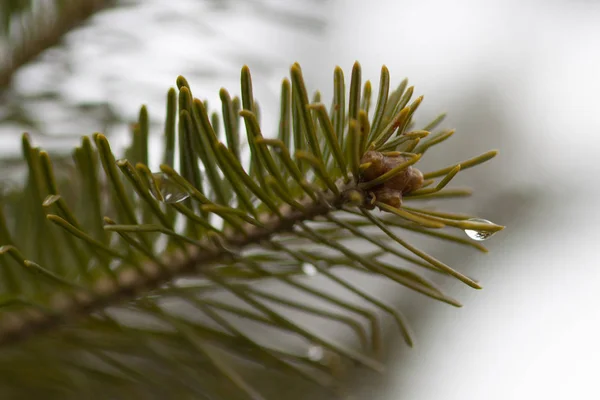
30 27
119 281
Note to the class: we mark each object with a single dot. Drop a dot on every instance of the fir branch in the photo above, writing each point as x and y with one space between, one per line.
304 201
195 259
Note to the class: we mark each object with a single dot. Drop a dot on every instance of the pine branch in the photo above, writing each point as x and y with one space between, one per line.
90 249
128 283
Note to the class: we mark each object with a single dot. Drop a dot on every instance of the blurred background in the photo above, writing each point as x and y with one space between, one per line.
517 76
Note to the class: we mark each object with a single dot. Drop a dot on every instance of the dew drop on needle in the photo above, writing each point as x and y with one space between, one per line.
309 269
315 353
480 234
166 190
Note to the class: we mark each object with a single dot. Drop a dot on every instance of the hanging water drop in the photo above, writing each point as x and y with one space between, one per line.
166 190
309 269
481 234
315 353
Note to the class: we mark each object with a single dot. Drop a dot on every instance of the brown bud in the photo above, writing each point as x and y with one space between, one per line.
376 168
400 180
391 191
415 181
389 196
407 180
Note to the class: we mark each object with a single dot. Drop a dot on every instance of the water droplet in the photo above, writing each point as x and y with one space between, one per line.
51 199
309 269
315 353
164 189
480 234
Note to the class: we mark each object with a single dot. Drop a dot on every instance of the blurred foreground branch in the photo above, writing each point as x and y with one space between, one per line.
32 27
